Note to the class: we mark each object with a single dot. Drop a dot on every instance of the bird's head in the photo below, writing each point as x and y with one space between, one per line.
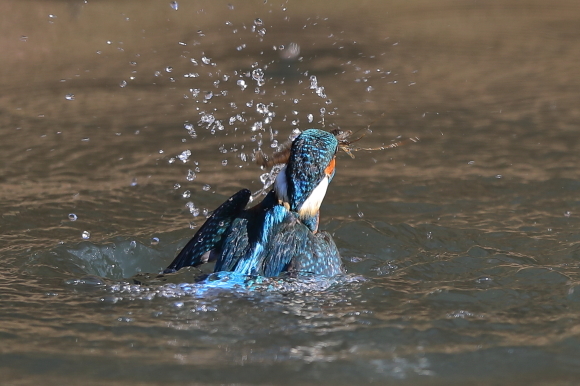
301 185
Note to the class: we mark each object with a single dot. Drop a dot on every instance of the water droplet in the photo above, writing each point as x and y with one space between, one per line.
192 225
184 156
190 175
176 186
23 38
206 187
498 176
194 92
134 182
190 129
291 52
239 48
567 213
86 235
258 22
72 217
370 88
310 118
274 144
471 163
313 82
360 214
224 162
257 74
168 69
69 97
154 241
206 60
186 194
205 212
123 83
242 84
262 108
208 95
174 5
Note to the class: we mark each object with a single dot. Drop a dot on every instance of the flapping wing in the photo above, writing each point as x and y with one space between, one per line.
211 232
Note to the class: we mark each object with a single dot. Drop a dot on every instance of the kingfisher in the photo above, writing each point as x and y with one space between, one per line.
280 234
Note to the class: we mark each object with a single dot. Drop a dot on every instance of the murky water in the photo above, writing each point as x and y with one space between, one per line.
123 123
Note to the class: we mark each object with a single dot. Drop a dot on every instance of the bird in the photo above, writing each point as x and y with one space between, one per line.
280 234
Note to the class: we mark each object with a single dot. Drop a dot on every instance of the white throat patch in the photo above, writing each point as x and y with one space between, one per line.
312 204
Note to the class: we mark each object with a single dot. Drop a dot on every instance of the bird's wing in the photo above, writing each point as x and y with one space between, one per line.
211 232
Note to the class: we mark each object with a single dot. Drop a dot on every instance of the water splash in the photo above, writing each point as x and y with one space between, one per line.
216 283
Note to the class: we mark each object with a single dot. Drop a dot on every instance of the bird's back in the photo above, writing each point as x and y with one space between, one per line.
269 239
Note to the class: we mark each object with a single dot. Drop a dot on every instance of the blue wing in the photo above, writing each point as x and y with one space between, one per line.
210 235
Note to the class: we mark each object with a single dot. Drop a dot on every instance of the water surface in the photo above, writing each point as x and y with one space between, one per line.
135 119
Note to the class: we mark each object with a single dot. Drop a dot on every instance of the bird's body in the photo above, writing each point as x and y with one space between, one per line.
280 234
